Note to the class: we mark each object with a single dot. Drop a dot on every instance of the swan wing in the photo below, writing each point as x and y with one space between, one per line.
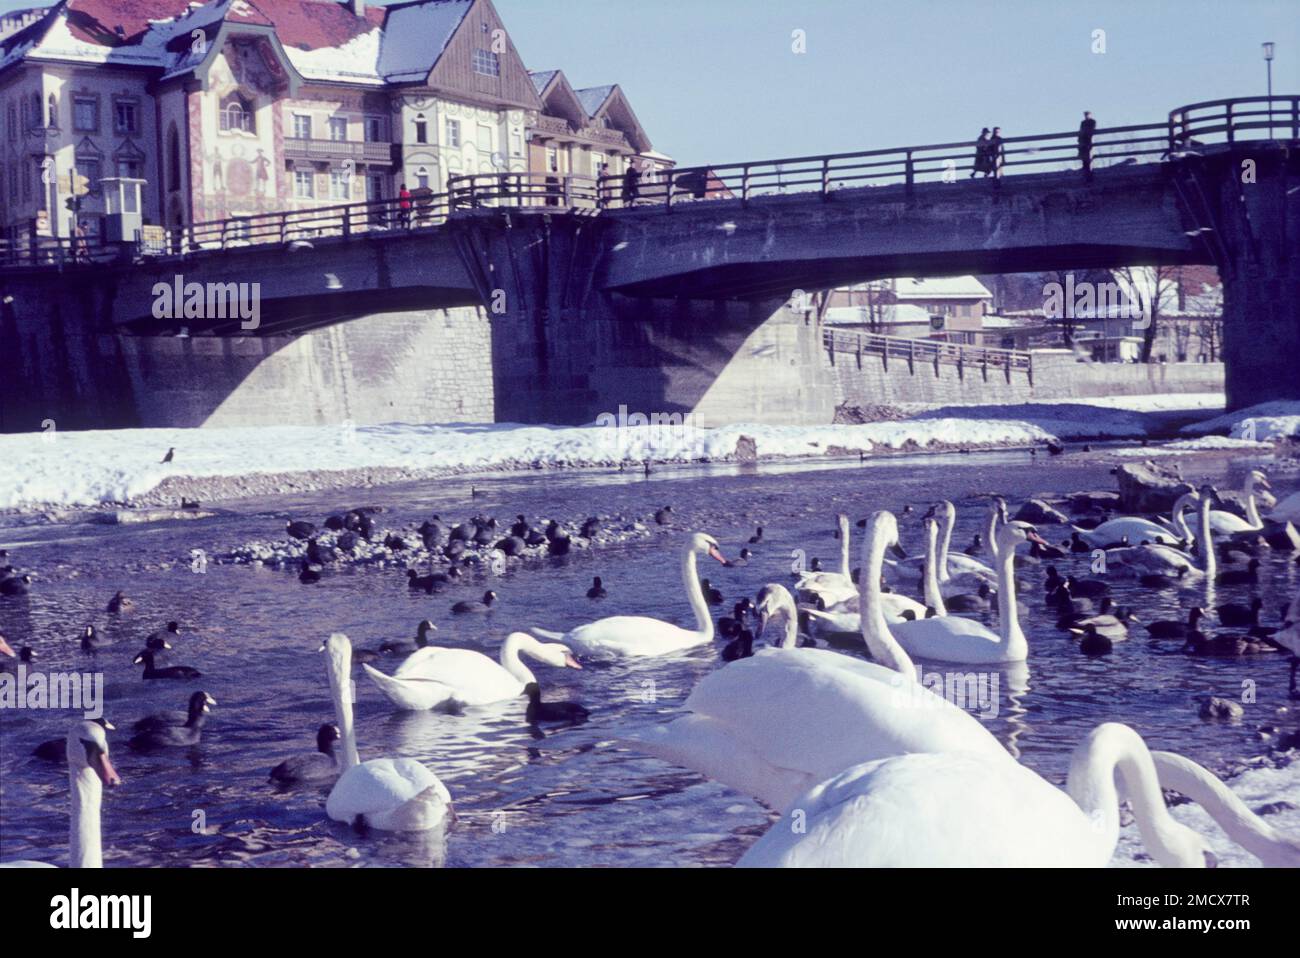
950 638
790 708
389 792
473 678
928 811
630 635
1288 510
1228 523
959 563
1135 527
414 692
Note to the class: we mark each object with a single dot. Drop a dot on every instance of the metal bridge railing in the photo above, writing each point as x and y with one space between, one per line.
934 352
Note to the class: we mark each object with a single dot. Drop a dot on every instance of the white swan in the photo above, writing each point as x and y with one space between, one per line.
1137 530
1271 847
963 810
632 635
832 587
1225 523
388 794
89 770
432 676
952 638
958 572
1152 557
933 594
774 725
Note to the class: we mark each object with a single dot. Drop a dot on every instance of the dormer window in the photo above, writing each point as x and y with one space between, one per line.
236 115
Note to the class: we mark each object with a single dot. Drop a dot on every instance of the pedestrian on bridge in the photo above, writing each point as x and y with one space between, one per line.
404 206
631 184
997 157
982 164
1086 129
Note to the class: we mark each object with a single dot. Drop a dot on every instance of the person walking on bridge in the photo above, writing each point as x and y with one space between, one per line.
631 184
1086 129
981 164
997 157
404 206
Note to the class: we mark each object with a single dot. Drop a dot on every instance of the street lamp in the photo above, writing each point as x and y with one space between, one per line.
1268 63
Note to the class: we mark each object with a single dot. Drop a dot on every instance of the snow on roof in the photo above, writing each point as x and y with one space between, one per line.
593 98
902 314
943 287
542 79
323 39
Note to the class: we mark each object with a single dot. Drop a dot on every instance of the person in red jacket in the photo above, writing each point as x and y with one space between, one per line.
404 205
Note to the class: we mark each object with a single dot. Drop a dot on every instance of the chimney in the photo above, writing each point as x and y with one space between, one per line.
358 7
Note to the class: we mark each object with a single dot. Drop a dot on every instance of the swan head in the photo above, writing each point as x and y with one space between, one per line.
707 545
884 525
338 649
1257 480
88 750
1014 533
6 649
550 653
1000 507
776 604
1174 845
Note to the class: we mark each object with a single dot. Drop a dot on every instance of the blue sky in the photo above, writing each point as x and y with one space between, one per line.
716 80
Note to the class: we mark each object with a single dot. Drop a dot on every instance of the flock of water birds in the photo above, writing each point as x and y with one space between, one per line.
865 764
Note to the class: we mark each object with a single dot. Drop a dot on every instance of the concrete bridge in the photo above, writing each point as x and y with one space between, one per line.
597 299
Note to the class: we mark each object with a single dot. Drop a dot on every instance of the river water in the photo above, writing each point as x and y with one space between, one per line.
555 796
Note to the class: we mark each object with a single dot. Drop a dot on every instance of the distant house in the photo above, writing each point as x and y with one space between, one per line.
951 308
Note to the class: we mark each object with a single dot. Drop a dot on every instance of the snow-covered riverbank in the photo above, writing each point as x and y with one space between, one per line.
68 469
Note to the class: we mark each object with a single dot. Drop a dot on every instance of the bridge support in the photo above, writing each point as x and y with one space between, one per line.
1245 206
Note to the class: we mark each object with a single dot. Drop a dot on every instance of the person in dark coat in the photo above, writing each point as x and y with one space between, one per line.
981 154
631 184
996 157
1086 129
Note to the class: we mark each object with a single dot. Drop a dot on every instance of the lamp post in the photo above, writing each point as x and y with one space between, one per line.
1268 64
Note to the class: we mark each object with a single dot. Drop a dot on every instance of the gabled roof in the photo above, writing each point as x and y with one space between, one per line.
942 287
610 102
559 98
542 79
594 97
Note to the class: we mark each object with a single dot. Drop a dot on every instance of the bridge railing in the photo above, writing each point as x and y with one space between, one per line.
934 352
286 226
60 251
1242 118
539 190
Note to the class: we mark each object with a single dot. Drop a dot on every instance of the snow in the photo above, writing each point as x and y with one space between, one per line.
86 468
358 59
1278 419
416 35
1203 444
1256 787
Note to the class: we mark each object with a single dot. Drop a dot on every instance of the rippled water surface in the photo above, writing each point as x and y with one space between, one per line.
569 795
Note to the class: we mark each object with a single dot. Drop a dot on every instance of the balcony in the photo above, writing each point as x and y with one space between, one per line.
334 150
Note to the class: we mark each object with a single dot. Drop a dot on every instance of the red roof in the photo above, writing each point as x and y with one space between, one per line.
303 24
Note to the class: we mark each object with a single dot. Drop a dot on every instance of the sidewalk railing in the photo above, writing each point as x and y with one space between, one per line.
839 343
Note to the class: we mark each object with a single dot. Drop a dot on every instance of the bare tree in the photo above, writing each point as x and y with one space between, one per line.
1153 290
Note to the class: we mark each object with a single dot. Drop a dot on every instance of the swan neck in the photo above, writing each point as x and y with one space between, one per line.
1180 519
1116 749
933 595
85 848
510 660
1013 637
991 533
1252 510
949 520
690 579
846 568
341 688
880 641
1209 563
1222 804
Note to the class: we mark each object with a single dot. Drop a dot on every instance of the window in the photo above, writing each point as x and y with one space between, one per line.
516 143
484 140
340 185
375 129
338 128
453 132
486 63
375 187
597 162
89 167
130 168
126 116
422 178
173 159
12 117
304 184
236 115
421 129
34 111
552 159
54 111
13 183
85 114
301 126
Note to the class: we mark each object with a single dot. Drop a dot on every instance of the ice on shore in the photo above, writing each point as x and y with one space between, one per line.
1267 421
90 467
